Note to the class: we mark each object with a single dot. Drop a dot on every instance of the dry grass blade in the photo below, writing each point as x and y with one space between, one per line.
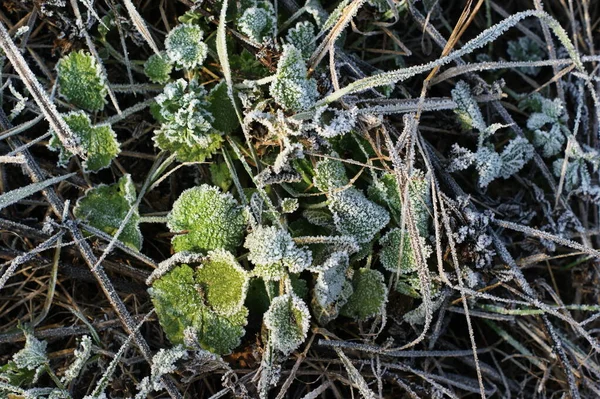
140 25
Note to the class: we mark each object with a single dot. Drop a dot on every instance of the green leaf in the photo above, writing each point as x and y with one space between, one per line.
369 296
220 175
185 47
99 143
397 254
158 68
81 81
291 88
221 108
207 219
288 320
330 174
105 208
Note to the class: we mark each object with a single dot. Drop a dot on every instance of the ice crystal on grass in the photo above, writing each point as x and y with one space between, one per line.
81 81
302 36
182 301
99 142
105 207
185 47
525 49
291 88
274 253
158 68
287 319
258 22
186 124
369 295
207 219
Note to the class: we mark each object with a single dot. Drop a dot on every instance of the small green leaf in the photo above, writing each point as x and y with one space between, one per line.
207 219
369 296
330 174
288 320
158 68
221 108
99 143
397 254
220 175
81 81
185 47
105 208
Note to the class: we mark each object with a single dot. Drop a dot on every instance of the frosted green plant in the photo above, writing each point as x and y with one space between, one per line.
81 81
525 49
291 88
514 156
332 287
82 355
287 320
188 300
289 205
274 253
186 124
330 174
258 22
209 219
184 46
369 295
158 68
397 253
547 123
99 143
578 175
105 207
302 36
162 363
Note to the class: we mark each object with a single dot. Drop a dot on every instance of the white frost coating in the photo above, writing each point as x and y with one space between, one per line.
81 357
291 88
259 22
287 319
331 279
302 36
162 363
185 47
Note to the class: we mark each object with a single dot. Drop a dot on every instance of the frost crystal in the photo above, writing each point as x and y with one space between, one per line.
185 47
291 88
547 124
209 218
158 68
105 207
289 205
525 49
81 81
186 128
33 355
467 109
355 215
473 234
258 22
341 121
303 37
287 319
369 296
330 174
273 250
99 143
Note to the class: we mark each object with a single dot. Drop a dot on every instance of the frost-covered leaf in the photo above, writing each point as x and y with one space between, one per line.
467 109
258 22
162 363
397 254
274 253
354 215
82 354
369 296
330 174
181 304
185 47
207 219
548 125
525 49
289 205
331 123
288 320
291 88
81 81
550 142
489 165
186 124
99 143
302 36
460 158
223 282
158 68
331 279
33 355
515 155
105 207
222 110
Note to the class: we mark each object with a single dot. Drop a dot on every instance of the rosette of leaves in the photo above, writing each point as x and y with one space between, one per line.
525 49
105 207
303 37
258 22
186 124
158 68
207 219
287 320
99 143
184 46
274 253
291 89
208 299
369 295
81 81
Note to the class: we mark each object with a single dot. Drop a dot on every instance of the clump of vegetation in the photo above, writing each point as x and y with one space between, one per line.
243 195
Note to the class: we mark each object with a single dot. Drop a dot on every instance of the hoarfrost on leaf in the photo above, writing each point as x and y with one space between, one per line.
302 36
489 165
185 47
331 279
105 207
209 218
460 158
81 81
369 296
287 319
162 363
330 174
397 253
82 354
99 143
158 68
525 49
258 22
291 88
467 109
514 156
33 355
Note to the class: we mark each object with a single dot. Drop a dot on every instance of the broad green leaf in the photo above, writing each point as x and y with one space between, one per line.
369 296
81 81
